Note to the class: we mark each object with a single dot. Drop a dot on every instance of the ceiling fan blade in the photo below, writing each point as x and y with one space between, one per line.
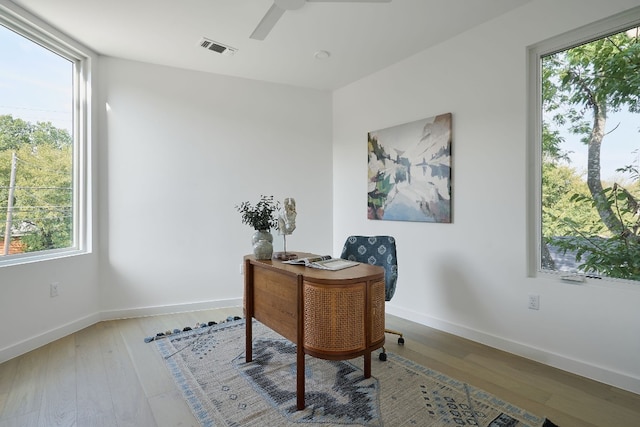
349 1
267 23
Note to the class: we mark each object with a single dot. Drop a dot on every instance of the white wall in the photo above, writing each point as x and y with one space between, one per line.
180 150
29 317
470 277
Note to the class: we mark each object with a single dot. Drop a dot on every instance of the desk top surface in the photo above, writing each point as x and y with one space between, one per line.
356 273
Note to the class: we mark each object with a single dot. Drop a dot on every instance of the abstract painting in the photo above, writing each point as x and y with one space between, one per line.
410 171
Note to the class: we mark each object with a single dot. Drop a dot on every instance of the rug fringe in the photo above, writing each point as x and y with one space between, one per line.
198 325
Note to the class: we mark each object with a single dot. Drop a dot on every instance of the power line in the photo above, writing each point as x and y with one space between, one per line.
43 207
38 188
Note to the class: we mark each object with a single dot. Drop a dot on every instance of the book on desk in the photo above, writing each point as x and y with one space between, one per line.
325 262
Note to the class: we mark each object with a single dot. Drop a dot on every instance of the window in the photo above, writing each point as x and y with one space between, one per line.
43 140
586 127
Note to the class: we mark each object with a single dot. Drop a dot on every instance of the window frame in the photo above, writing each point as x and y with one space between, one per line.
535 53
38 32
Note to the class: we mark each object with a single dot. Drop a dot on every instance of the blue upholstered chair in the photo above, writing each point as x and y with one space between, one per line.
376 250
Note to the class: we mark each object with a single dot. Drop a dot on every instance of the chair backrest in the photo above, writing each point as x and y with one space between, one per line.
375 250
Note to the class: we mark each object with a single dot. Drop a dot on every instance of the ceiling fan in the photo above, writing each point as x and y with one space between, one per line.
279 7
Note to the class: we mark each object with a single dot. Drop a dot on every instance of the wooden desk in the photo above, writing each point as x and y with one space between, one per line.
333 315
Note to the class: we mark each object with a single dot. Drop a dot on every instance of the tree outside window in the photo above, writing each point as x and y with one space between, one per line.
36 147
590 157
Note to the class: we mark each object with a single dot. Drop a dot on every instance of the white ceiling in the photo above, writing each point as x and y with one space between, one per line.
361 37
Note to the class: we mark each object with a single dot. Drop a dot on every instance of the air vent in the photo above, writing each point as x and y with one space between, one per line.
217 47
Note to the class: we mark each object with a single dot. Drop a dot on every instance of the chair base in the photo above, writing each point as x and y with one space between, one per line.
391 331
383 356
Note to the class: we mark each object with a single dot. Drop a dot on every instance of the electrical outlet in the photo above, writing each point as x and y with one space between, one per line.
241 268
53 289
534 302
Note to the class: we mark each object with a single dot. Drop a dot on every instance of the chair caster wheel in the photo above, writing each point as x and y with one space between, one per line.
401 341
382 357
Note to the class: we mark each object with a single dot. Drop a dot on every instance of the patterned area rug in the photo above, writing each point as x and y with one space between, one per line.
223 390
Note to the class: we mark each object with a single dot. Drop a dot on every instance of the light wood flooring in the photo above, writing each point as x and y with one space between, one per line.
106 375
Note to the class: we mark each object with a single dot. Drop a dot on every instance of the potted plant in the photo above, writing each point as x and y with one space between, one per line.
262 217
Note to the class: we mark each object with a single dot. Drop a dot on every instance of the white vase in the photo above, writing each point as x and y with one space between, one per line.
262 241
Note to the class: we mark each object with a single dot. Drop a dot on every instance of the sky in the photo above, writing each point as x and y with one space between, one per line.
620 147
35 83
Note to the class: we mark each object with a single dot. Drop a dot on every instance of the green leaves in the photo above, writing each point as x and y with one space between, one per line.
596 247
43 196
262 215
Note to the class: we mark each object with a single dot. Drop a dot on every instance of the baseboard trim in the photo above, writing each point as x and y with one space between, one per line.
169 309
51 335
578 367
47 337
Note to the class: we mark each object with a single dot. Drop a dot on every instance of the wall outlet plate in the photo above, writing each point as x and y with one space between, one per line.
53 289
534 302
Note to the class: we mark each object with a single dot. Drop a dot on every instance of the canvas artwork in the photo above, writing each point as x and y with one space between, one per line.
410 171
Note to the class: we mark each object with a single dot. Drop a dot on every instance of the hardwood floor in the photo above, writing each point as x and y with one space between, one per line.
106 375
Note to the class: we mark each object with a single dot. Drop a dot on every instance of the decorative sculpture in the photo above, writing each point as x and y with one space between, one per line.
286 225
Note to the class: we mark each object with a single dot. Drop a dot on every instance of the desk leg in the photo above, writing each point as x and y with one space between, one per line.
300 378
300 347
249 340
248 310
367 364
